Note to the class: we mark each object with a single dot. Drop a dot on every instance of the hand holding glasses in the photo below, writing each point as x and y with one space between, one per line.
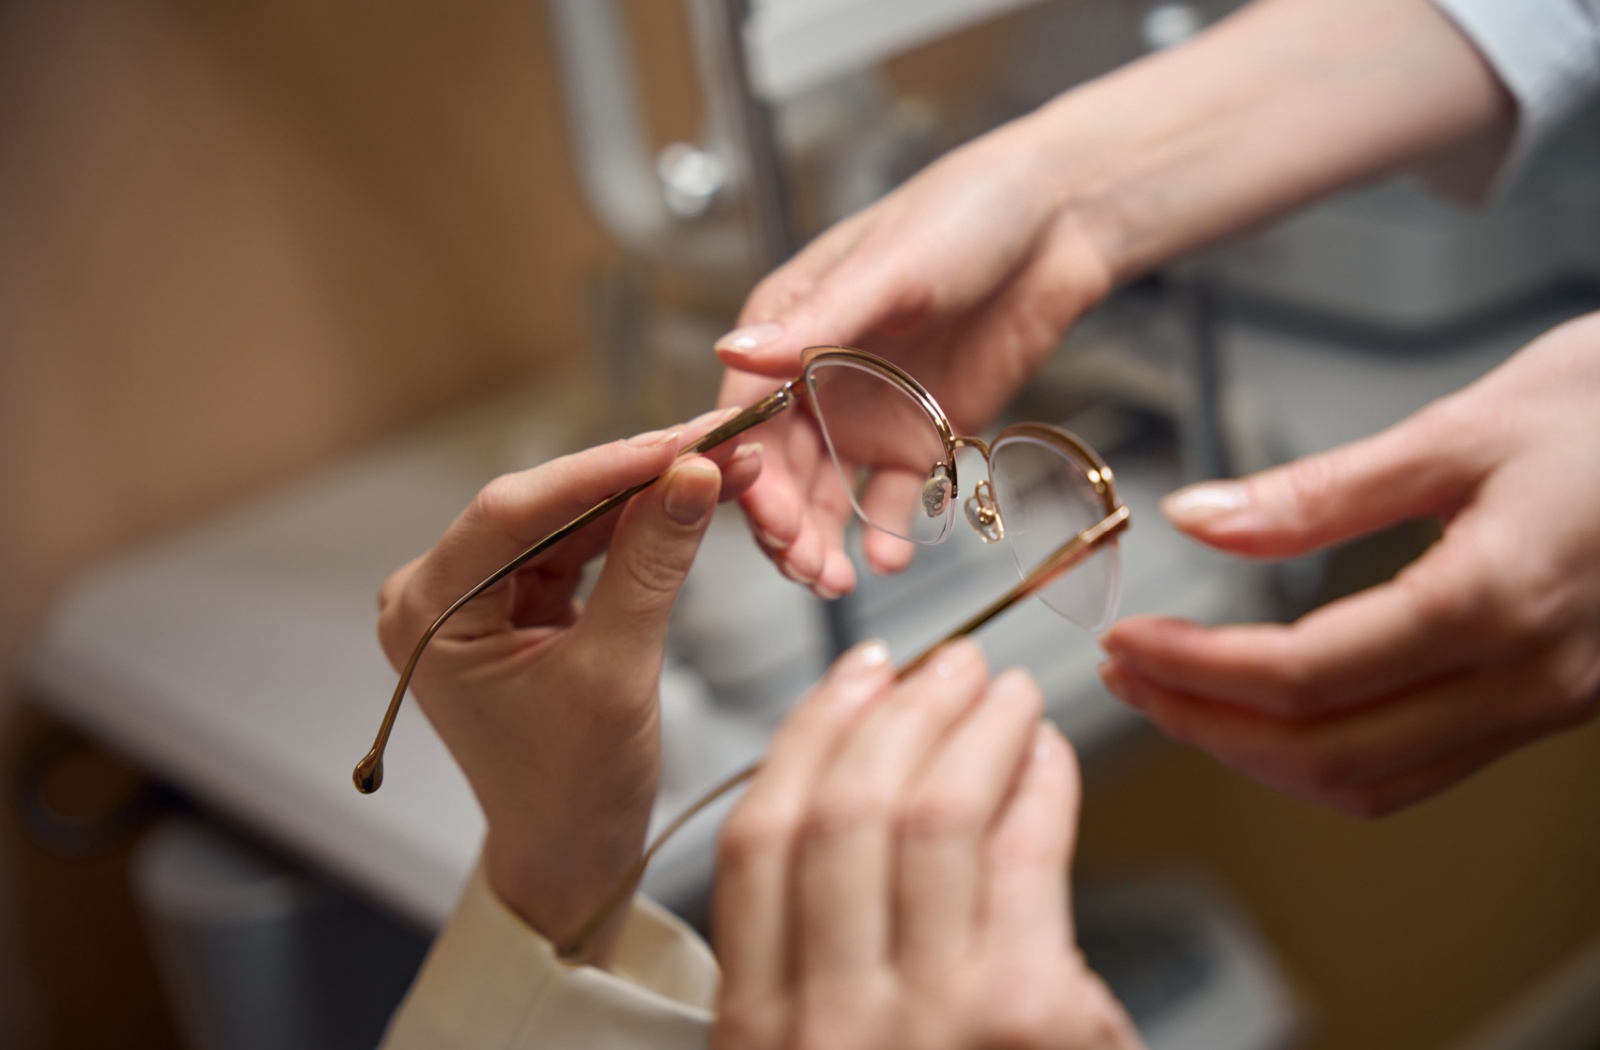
1047 495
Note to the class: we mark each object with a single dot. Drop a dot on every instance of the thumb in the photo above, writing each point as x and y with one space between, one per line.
651 551
1425 466
794 309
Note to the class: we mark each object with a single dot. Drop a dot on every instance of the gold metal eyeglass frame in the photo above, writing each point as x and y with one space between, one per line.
368 773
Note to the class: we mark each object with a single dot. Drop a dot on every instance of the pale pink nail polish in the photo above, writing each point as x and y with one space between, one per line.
751 338
1205 503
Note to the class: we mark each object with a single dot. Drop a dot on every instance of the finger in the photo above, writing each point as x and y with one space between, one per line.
516 510
1427 465
651 551
952 806
1423 624
741 471
1023 908
1318 758
888 503
1383 797
765 343
843 870
751 905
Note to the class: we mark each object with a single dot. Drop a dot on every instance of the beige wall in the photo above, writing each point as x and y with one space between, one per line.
238 238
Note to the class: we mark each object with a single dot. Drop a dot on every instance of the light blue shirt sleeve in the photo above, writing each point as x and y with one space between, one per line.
1546 52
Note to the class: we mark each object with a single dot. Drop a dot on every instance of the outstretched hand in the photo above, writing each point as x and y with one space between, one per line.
966 276
1490 640
549 706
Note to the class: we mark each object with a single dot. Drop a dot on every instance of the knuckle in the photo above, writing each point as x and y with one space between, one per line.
841 809
1309 483
656 570
941 813
494 501
1010 847
1021 1016
749 834
742 1025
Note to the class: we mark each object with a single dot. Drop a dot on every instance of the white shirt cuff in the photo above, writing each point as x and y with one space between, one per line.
491 981
1546 52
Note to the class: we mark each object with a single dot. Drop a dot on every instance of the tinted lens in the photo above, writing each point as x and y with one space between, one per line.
1046 498
887 448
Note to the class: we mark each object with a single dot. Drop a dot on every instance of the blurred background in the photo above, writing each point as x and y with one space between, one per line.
283 283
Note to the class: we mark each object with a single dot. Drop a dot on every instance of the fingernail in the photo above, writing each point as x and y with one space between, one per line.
1015 685
827 594
1205 503
712 419
860 673
1046 740
691 491
955 656
771 542
751 450
655 438
870 655
751 337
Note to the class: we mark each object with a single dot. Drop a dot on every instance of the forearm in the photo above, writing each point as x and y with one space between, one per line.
1284 102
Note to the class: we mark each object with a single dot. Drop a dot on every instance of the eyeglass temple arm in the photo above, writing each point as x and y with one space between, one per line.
575 950
368 774
1041 576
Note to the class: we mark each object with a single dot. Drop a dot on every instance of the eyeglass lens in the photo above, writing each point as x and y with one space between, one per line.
1045 498
887 448
891 456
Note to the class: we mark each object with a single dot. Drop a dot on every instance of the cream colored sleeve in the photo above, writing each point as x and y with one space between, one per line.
491 981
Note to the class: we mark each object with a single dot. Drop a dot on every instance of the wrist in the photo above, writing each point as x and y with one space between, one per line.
558 883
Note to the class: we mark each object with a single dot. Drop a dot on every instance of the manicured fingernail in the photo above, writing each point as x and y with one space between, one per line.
1014 685
955 656
860 673
655 438
712 419
1046 740
771 542
691 491
864 656
752 450
1205 503
751 337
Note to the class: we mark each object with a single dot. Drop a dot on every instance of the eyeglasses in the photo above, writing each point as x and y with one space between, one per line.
1048 495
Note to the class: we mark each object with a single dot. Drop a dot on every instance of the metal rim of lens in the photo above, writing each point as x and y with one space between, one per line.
817 359
1098 475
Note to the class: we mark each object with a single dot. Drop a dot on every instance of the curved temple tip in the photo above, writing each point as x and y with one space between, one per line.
368 774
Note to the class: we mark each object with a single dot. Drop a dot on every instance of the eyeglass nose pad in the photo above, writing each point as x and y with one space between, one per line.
983 514
936 491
